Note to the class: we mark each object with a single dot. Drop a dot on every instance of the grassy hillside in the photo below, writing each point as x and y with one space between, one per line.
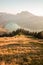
21 50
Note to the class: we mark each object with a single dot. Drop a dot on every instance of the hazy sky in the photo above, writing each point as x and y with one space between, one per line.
15 6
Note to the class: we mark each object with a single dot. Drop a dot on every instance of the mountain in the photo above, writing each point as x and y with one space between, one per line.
2 31
24 19
11 26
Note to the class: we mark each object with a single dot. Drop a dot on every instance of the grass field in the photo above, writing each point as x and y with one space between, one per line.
21 50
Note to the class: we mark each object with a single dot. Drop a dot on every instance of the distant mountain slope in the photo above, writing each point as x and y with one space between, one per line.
24 19
2 31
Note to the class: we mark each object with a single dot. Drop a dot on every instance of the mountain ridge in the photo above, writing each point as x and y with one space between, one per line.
24 19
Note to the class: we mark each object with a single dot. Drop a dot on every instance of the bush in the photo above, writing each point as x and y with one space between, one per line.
40 35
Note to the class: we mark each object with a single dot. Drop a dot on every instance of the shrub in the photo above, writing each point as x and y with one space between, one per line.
40 35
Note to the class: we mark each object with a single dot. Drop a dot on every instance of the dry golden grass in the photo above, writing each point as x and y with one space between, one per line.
17 39
21 50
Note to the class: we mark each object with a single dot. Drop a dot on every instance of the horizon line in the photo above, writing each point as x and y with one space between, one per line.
19 13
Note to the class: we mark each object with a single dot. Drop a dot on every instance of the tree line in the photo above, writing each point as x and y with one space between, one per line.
24 32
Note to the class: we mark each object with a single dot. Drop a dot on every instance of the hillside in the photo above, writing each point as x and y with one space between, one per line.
24 19
22 39
2 31
21 50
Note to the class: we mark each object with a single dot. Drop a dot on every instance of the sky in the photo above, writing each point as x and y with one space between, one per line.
16 6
